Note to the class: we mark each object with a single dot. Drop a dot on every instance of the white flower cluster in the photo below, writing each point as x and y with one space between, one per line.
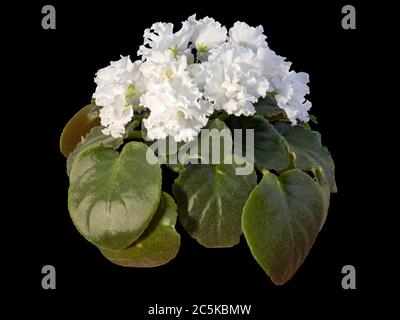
184 76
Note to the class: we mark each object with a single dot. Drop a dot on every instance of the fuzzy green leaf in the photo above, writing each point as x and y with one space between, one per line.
308 153
93 138
270 149
112 197
158 245
268 107
281 220
210 201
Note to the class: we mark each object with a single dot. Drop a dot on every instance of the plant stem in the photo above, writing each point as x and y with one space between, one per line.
135 134
262 170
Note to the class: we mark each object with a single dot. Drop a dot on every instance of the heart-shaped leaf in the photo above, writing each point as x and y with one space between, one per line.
158 245
112 197
281 220
270 149
210 201
95 137
77 127
308 153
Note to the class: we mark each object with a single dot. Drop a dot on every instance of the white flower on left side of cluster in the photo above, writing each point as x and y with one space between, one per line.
291 96
174 100
111 94
161 37
235 79
207 34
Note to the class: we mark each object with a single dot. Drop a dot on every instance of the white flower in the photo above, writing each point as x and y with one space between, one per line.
181 93
235 81
163 67
175 116
207 33
199 72
244 35
175 102
160 37
273 65
291 90
112 84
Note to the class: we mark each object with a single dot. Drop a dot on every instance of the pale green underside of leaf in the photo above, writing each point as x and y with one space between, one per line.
76 128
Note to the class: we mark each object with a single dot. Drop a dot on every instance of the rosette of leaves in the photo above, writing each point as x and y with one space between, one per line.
117 202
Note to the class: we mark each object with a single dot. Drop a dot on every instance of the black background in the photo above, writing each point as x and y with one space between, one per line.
58 80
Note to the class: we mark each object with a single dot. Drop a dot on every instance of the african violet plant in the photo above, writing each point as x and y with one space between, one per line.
201 76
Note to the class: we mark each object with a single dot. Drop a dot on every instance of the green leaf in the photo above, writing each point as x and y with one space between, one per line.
158 245
131 128
268 107
193 150
308 153
281 220
313 119
326 191
210 200
94 138
221 143
76 128
112 197
216 124
270 150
